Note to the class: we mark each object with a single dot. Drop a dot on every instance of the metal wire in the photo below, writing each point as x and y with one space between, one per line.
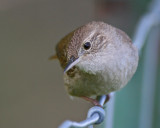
97 114
91 120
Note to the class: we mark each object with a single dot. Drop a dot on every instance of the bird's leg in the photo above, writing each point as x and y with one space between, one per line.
93 101
107 98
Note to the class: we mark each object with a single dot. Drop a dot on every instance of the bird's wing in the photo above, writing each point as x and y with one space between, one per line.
61 49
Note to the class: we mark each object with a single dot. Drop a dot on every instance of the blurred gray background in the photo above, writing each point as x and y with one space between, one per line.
32 94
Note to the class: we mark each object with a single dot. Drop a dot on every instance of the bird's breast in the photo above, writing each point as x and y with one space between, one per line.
81 83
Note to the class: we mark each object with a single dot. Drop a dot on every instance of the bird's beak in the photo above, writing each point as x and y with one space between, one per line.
72 62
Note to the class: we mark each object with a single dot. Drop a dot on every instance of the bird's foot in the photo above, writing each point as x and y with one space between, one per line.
93 101
107 98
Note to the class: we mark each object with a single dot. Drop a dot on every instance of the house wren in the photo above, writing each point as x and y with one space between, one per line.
97 59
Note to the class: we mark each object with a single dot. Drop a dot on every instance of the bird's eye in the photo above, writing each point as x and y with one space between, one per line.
87 45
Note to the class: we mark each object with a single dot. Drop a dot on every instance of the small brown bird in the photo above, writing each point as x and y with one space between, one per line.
97 59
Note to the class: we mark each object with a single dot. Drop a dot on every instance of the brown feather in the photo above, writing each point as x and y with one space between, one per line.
61 49
53 57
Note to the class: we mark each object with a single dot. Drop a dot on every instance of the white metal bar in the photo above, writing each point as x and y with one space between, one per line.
110 112
146 24
149 79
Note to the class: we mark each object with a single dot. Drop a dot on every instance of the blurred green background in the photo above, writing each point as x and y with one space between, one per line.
32 94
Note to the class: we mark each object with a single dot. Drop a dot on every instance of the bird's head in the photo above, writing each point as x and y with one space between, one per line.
95 43
86 42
